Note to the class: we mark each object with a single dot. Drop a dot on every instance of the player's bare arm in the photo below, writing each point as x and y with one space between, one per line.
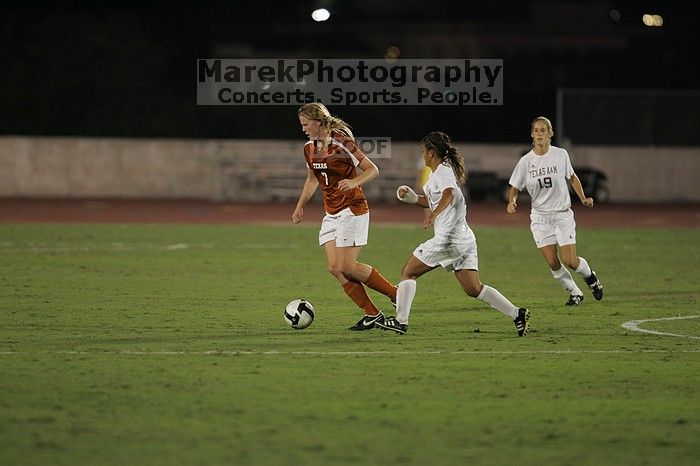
512 200
445 201
369 172
578 188
310 186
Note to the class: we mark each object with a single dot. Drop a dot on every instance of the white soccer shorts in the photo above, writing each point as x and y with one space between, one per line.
449 254
553 228
346 228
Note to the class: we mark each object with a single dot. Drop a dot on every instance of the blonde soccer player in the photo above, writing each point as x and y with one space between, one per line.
332 158
544 172
453 246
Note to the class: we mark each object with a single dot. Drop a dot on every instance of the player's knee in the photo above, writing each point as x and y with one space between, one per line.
554 264
471 292
473 289
347 270
335 269
407 274
570 262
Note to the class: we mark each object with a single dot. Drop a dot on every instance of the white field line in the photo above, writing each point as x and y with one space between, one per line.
332 353
631 325
634 325
7 247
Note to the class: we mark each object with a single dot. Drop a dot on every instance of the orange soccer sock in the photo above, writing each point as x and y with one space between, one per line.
359 295
377 282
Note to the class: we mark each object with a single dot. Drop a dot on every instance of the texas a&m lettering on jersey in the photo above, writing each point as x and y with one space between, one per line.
542 171
333 163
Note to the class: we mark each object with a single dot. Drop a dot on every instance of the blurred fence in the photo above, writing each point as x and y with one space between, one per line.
265 170
628 117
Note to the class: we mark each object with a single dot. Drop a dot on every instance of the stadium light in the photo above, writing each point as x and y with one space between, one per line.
320 15
652 20
392 54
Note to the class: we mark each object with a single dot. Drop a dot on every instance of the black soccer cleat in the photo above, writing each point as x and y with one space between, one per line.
574 300
595 285
390 323
368 322
522 322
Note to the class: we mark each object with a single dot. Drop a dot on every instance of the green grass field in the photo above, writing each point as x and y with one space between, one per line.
144 344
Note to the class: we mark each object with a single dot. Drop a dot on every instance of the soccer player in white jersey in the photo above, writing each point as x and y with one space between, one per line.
544 171
454 246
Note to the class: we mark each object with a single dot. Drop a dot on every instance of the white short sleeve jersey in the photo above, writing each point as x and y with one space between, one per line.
546 179
451 221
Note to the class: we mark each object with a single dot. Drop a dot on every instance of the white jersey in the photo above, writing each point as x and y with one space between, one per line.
545 177
451 222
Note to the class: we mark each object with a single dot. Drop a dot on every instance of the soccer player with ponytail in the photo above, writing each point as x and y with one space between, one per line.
454 245
332 158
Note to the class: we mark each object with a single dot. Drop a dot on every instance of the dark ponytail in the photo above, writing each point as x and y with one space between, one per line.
442 145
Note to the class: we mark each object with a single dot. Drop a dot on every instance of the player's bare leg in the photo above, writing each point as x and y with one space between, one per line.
561 274
347 263
569 256
354 289
549 253
580 265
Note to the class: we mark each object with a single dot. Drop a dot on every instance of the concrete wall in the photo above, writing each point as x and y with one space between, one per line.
261 170
645 174
79 167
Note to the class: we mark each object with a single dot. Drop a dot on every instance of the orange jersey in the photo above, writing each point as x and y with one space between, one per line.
336 162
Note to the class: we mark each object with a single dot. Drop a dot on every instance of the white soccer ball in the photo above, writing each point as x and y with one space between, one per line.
299 314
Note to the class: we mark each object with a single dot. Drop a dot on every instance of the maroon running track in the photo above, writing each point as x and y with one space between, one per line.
205 212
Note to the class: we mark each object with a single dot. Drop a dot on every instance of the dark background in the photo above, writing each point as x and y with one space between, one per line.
128 69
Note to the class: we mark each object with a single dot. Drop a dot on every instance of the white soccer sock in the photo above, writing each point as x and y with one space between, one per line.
566 281
404 299
583 268
496 300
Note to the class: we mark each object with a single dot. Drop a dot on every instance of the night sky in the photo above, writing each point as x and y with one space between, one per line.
129 69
